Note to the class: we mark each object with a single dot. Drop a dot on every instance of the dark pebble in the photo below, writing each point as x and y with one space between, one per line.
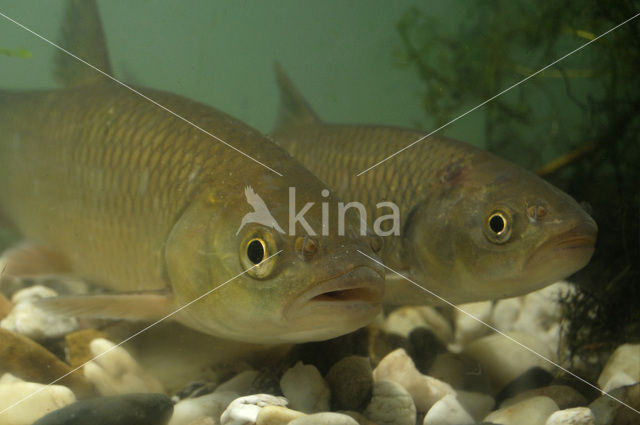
587 391
424 346
195 389
382 343
534 377
268 381
324 354
565 396
128 409
475 377
350 381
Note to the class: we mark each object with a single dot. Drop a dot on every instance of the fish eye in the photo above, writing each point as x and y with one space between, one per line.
254 249
498 227
497 223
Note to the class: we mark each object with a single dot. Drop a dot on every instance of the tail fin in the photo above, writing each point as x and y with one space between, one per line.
294 109
83 36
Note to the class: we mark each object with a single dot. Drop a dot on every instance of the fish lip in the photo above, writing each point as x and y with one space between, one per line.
581 237
358 289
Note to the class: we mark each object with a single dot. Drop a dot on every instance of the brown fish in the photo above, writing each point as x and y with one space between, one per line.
112 188
472 226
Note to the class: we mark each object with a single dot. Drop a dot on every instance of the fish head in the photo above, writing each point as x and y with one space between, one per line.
265 282
498 231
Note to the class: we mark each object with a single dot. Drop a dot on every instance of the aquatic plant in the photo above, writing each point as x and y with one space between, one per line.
581 112
16 53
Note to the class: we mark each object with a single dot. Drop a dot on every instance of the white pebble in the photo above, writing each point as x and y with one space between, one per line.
605 407
537 313
241 383
27 319
574 416
114 371
192 409
468 328
505 312
208 420
541 313
533 411
541 309
618 380
245 410
324 418
405 319
8 378
450 368
305 389
402 321
477 404
625 359
390 404
28 401
447 411
33 293
277 415
397 366
503 360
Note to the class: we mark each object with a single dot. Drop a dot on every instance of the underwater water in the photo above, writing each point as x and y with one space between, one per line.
405 64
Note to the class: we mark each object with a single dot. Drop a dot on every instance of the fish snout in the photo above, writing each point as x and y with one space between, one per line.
583 235
568 251
357 291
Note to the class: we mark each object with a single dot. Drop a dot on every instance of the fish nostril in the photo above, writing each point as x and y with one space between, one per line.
306 247
537 212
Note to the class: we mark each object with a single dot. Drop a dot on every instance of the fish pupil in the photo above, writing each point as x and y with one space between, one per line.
496 223
255 251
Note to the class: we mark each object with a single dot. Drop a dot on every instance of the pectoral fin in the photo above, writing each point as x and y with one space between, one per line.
29 259
141 306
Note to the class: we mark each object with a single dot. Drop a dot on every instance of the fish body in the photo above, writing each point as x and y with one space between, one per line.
136 200
473 226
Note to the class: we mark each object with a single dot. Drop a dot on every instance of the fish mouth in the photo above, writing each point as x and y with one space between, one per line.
357 290
580 236
572 248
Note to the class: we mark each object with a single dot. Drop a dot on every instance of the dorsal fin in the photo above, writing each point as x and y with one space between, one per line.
294 109
83 36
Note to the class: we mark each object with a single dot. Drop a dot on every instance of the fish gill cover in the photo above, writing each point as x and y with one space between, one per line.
576 123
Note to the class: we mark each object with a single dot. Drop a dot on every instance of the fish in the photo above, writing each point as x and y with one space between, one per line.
472 227
107 186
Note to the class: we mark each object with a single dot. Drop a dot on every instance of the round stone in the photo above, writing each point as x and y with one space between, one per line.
350 381
130 409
